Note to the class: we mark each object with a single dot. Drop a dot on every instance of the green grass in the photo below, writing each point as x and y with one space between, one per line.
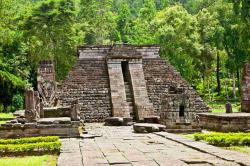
45 160
2 122
243 149
6 115
218 107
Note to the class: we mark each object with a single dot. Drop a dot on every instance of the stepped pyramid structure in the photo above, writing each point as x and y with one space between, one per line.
130 81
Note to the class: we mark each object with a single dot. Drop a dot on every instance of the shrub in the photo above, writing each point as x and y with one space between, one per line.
49 144
31 147
29 140
224 139
17 101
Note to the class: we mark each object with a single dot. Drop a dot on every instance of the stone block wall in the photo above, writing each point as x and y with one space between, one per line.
88 82
118 95
168 91
144 108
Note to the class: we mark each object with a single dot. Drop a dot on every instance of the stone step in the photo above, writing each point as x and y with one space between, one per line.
131 109
128 94
130 103
129 99
127 91
127 87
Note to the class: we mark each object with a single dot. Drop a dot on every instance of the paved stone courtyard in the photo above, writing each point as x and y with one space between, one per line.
120 146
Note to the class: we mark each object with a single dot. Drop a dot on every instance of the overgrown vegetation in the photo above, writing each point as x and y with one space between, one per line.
224 139
32 145
207 41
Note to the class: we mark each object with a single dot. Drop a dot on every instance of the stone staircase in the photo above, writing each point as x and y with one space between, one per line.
130 99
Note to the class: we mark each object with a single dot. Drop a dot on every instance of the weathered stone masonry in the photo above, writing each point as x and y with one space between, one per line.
245 89
154 86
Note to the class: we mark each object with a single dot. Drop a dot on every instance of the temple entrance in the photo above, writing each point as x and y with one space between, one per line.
181 111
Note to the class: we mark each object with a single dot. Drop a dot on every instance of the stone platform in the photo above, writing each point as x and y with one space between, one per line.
62 127
225 122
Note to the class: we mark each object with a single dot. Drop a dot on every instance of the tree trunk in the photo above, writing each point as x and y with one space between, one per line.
238 79
234 88
218 89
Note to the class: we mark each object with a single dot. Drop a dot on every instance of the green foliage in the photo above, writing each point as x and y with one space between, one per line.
224 139
176 33
51 33
51 147
29 140
17 101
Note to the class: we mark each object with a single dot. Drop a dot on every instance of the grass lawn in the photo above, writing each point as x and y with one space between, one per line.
220 106
2 122
6 115
45 160
243 149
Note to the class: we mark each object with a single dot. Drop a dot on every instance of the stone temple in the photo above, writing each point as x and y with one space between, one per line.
129 81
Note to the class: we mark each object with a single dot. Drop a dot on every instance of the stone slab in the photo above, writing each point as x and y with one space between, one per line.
148 127
61 120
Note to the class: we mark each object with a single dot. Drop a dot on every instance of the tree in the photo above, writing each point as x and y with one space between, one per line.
97 21
14 69
51 34
175 31
210 33
141 32
124 20
242 9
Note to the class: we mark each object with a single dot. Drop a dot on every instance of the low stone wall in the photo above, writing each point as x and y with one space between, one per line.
57 112
232 122
17 130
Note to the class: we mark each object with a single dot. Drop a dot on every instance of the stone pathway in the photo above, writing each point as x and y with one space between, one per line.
120 146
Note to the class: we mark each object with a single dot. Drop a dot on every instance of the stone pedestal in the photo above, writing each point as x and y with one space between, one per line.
228 107
75 111
30 106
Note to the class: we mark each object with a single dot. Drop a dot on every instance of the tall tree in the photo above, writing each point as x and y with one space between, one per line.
98 21
175 31
51 34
